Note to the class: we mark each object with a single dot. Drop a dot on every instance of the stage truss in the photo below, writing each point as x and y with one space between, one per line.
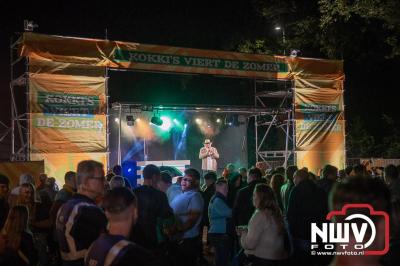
281 118
19 91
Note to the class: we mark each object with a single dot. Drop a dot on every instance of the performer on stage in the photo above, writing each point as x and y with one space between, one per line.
208 156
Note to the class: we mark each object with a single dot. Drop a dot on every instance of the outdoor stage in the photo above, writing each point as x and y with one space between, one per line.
81 94
180 136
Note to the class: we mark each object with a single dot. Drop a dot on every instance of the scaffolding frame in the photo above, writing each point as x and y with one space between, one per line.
19 118
20 127
282 119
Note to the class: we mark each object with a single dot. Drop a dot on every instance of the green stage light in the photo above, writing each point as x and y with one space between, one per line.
156 121
167 123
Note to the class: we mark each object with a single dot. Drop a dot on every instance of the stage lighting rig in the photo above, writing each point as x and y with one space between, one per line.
232 120
156 120
294 52
29 25
130 120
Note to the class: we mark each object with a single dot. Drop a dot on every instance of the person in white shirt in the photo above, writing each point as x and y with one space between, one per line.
208 156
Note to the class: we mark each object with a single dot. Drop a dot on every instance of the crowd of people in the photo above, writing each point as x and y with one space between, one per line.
254 217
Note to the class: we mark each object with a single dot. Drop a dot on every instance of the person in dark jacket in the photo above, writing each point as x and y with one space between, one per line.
243 174
235 184
328 178
62 196
207 194
80 221
153 211
4 207
307 204
243 207
287 187
113 248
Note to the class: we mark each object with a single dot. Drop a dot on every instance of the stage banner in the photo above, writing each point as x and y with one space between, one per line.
57 164
115 54
320 71
66 94
48 66
67 133
13 170
320 124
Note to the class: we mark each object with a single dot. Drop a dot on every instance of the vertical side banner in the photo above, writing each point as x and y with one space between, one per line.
320 124
67 115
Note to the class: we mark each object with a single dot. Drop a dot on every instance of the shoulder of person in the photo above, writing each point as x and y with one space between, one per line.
197 194
197 197
258 216
218 199
92 212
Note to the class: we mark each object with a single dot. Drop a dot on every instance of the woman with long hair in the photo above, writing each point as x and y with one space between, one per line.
20 249
264 237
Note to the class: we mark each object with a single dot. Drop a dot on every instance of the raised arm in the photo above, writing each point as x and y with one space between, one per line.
216 154
203 153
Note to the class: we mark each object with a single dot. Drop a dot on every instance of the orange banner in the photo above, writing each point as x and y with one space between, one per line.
57 164
66 94
58 134
115 54
320 124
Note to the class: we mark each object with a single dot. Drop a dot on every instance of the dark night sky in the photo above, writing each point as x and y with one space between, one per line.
370 91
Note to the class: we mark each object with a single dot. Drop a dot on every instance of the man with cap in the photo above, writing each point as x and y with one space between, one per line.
208 156
114 248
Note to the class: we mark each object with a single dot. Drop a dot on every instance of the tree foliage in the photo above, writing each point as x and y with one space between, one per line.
328 28
363 33
391 141
359 142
